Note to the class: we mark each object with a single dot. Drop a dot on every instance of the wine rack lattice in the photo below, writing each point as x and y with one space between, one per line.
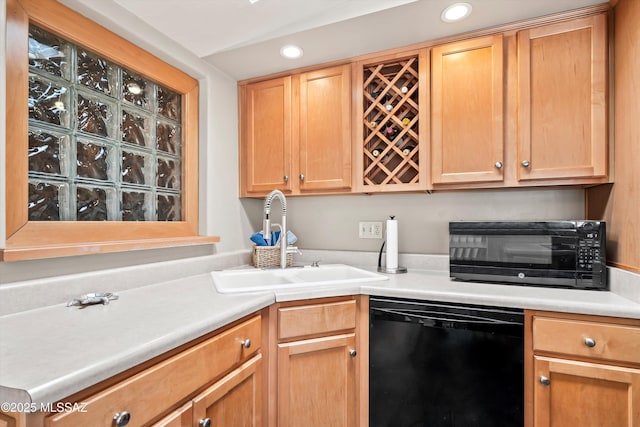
390 120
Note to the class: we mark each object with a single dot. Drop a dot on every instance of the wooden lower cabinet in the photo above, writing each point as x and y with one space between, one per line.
12 419
575 393
316 382
318 362
218 378
235 400
181 417
582 371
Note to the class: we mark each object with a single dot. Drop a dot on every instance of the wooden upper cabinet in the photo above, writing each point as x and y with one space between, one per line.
266 136
295 133
525 106
325 129
562 81
467 111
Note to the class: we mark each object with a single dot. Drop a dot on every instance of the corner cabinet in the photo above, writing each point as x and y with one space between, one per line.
295 133
584 371
319 361
215 382
233 401
467 111
391 122
562 95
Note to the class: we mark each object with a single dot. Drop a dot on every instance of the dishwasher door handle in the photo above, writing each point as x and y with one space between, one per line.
410 316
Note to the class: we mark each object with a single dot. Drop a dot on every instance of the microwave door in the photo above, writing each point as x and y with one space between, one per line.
531 251
527 254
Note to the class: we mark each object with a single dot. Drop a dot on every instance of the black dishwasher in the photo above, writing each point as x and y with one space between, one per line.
435 364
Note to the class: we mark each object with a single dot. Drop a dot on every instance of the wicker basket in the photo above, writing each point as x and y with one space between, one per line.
269 256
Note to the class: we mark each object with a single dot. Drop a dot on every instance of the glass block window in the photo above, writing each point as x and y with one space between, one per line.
105 143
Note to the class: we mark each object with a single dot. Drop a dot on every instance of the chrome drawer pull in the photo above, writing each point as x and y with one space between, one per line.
590 342
121 419
544 380
353 353
246 343
205 422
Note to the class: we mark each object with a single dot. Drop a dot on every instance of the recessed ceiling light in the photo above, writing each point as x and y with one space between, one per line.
291 51
456 12
253 1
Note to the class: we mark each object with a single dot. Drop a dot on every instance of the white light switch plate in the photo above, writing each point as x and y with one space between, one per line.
370 229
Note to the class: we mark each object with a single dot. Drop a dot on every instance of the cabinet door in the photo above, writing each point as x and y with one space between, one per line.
467 110
181 417
585 394
316 382
266 136
562 131
12 419
235 400
325 129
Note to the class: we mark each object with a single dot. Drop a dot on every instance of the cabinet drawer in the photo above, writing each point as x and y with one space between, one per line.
587 339
316 319
151 392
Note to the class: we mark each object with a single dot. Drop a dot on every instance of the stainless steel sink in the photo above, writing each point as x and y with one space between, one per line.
254 280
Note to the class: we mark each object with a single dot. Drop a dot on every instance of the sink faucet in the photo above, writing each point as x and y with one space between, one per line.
266 228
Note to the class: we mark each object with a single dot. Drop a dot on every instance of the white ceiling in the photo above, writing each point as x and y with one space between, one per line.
217 25
244 39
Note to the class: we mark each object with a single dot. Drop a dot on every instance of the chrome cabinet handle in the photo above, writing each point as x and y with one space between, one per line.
525 163
246 343
286 178
590 342
353 353
301 177
206 422
121 419
498 165
544 380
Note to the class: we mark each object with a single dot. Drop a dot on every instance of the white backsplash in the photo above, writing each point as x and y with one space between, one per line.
31 294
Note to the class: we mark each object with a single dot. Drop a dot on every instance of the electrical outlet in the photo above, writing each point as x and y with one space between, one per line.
370 229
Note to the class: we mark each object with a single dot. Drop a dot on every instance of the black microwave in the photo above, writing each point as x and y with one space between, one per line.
567 254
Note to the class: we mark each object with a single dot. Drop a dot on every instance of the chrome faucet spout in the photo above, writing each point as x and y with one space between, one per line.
266 227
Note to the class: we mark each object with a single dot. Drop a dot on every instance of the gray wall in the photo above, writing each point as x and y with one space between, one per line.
331 222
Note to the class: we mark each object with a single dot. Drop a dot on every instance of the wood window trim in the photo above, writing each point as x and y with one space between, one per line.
42 239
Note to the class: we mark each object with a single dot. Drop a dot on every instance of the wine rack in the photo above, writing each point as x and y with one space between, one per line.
390 121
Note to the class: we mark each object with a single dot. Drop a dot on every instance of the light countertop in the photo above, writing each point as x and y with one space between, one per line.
51 352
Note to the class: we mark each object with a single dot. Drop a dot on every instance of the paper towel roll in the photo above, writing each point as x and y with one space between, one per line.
392 243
